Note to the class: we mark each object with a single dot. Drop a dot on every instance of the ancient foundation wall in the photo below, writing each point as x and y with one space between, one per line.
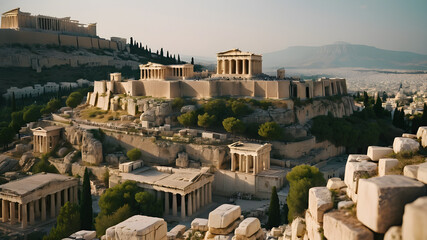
227 182
104 44
197 89
68 41
84 42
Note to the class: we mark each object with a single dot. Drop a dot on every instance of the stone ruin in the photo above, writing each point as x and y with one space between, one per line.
371 201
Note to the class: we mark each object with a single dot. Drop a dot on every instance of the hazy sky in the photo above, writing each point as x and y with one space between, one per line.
202 28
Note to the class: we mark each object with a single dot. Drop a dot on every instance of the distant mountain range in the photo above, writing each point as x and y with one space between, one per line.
342 54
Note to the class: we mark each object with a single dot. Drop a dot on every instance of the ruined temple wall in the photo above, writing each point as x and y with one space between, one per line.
227 182
68 41
11 36
197 89
318 89
104 44
154 88
84 42
99 87
247 88
283 89
260 89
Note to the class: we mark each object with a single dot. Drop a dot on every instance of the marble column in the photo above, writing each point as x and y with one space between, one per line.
240 163
210 192
52 205
75 195
193 195
244 67
202 193
182 206
12 213
4 210
31 212
174 205
198 198
247 164
65 195
229 66
37 208
250 67
206 194
223 67
166 203
70 196
189 204
43 212
218 69
24 218
237 66
232 162
58 202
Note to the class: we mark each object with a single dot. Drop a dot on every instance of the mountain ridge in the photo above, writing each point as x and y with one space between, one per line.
342 54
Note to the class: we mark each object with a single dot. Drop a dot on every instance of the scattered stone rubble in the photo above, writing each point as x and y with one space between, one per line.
371 202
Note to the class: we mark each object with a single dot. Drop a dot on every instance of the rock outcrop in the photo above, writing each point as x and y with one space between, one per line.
402 144
338 226
91 149
415 220
7 164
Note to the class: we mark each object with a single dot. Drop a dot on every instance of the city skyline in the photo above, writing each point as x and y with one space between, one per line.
205 28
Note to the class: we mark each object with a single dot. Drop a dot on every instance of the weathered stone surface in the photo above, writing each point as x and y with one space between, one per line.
335 184
298 228
415 220
375 152
381 200
422 173
7 164
248 227
422 134
312 227
393 233
408 135
225 230
319 201
84 235
138 227
405 144
385 165
224 215
276 232
91 149
62 151
357 157
411 171
345 204
188 108
178 230
199 224
337 226
354 170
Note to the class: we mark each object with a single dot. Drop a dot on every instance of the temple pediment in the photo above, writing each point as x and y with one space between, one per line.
236 52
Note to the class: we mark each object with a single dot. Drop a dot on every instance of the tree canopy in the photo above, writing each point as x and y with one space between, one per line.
270 131
134 154
188 119
67 223
233 125
205 120
301 178
86 211
74 99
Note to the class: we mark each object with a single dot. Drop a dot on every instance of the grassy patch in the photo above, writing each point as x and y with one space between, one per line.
406 158
95 114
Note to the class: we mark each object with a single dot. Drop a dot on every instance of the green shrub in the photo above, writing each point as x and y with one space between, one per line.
270 131
103 222
301 178
205 120
67 222
134 154
233 125
188 119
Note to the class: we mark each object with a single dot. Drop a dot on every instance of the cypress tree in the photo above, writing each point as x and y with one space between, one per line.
378 108
365 99
401 119
285 212
274 210
179 59
131 42
423 121
86 212
167 54
161 52
395 117
13 103
192 60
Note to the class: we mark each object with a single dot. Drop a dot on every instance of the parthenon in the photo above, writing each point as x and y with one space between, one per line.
30 199
156 71
250 157
15 19
234 63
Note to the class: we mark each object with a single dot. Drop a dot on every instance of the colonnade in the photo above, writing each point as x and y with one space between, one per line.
29 212
153 73
190 202
239 66
42 144
249 163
